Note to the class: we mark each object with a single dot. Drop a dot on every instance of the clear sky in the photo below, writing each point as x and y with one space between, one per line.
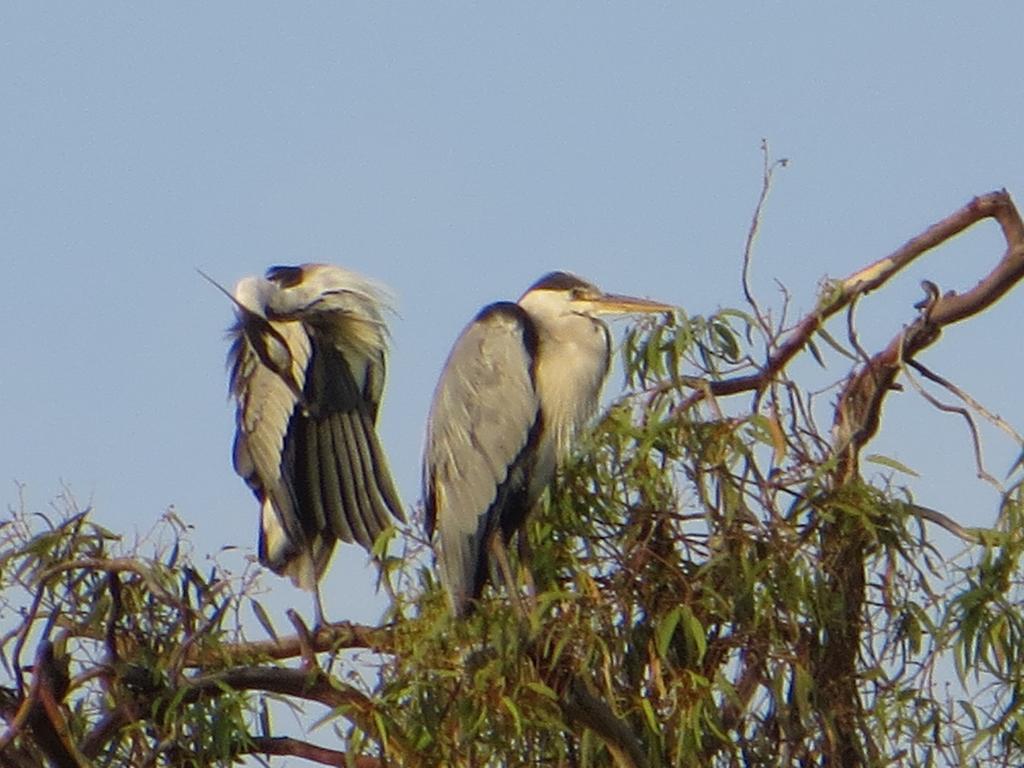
456 152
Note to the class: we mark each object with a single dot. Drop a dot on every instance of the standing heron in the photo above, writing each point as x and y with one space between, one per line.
307 372
518 386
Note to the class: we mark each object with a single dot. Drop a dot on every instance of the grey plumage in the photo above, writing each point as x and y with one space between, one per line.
519 384
307 367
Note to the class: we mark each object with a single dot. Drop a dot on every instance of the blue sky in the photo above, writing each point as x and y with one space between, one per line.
457 152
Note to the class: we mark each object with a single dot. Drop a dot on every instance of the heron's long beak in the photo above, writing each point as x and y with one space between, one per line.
617 304
269 345
246 312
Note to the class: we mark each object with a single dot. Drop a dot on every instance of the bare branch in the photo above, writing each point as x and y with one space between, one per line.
17 716
312 685
994 418
580 705
329 637
861 400
41 711
755 225
106 729
979 460
996 205
287 747
856 421
945 522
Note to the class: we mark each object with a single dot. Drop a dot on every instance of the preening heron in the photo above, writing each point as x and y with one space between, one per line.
521 381
307 372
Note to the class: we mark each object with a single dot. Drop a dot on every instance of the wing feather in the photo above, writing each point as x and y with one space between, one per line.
482 421
337 483
386 497
363 478
266 403
310 483
350 512
377 519
339 405
360 512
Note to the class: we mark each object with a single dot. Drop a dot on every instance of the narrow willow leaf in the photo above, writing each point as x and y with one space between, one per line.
666 629
696 635
816 353
514 711
831 341
778 441
264 619
542 689
652 717
885 461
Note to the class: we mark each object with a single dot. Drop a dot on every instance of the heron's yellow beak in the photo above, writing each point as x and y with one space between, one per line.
617 304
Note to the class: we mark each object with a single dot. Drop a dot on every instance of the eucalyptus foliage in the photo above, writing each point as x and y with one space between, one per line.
686 612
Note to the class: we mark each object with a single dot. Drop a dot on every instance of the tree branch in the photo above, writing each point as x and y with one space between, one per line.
857 418
41 711
329 637
312 684
288 747
996 205
580 705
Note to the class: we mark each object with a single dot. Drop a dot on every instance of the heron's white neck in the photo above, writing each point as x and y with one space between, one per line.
570 368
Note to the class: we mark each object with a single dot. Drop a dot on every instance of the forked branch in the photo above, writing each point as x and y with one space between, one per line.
856 421
857 414
948 309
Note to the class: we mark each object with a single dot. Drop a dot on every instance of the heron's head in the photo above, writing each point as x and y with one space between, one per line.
251 295
312 289
562 293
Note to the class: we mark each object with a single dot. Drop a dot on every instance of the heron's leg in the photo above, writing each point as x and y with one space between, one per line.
500 553
318 608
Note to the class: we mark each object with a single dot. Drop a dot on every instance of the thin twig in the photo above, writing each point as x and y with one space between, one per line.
993 418
972 428
972 536
755 225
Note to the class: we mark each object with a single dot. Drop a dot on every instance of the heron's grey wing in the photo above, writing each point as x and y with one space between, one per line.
341 473
266 404
481 424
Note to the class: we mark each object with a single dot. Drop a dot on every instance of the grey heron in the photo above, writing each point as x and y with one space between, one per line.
307 368
521 381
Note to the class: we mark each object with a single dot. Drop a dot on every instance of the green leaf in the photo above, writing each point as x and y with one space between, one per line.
696 634
652 717
725 341
803 684
816 352
885 461
263 619
514 711
542 689
666 629
831 341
